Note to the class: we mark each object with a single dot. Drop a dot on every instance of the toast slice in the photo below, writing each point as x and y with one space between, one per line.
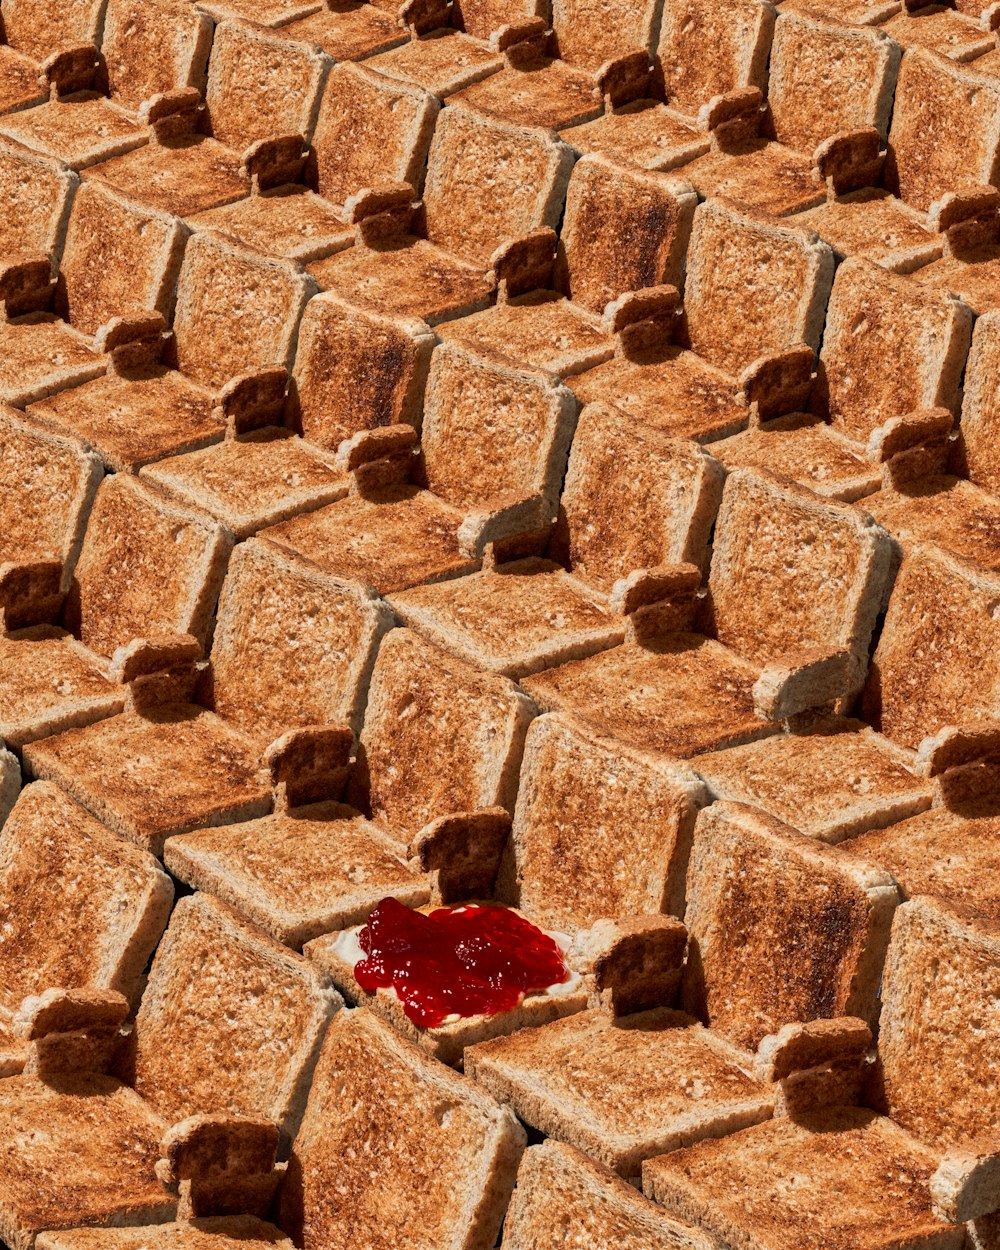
219 1232
441 61
861 1179
83 908
911 694
946 511
90 1128
920 334
43 522
189 769
623 1090
37 189
978 441
941 978
836 781
230 1021
568 866
301 873
762 896
562 1194
873 224
394 1147
353 33
337 954
801 446
254 481
356 371
439 737
951 855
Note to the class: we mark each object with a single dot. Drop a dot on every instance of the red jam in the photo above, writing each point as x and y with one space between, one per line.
464 961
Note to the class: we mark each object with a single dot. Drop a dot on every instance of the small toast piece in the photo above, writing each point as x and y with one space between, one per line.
561 1193
979 436
393 1146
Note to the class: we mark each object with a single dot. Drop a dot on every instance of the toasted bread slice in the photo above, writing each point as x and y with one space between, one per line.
301 873
47 487
356 370
83 908
919 337
623 1089
439 737
370 129
568 866
188 769
945 128
183 176
236 311
260 85
911 694
951 855
152 46
804 448
978 440
254 481
873 224
813 76
838 780
501 619
941 978
229 1022
38 192
854 1174
761 895
148 565
442 61
562 1194
969 272
395 1147
289 222
337 954
942 30
738 262
946 511
80 130
88 1128
775 589
712 47
293 647
273 13
354 33
678 696
219 1232
767 178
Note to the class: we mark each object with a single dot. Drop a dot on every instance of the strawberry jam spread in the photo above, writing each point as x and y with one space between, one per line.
464 961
